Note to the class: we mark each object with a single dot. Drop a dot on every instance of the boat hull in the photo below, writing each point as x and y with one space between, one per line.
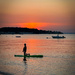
58 37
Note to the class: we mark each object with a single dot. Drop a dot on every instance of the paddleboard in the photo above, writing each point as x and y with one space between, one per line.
28 55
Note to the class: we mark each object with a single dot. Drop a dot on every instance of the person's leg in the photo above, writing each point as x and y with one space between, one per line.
24 56
24 53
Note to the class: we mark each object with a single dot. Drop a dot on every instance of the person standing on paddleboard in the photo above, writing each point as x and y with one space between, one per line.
25 49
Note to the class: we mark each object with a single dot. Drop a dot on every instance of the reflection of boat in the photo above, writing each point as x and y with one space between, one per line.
18 36
58 37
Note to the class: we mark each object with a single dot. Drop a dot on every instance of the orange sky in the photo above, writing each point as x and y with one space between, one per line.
42 14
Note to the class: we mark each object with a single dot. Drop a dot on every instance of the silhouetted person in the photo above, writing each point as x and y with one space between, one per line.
24 50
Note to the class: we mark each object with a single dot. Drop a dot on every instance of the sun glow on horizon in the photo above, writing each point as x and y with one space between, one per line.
37 25
33 25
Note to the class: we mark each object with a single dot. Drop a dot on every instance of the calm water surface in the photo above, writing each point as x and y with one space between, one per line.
59 55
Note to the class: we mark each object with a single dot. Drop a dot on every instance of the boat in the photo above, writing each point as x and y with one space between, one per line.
58 37
18 36
28 56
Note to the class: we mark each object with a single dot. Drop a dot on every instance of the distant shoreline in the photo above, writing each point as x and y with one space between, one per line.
19 30
33 34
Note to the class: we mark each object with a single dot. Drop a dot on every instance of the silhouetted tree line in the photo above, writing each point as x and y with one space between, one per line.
19 30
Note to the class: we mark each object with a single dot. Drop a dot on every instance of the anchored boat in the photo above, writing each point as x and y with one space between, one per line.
18 36
58 37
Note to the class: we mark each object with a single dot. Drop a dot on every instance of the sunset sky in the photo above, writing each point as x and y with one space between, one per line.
55 15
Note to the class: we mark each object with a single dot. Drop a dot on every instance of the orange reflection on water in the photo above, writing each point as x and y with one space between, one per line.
32 45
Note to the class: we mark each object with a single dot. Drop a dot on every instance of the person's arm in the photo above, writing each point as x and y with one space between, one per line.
26 48
23 50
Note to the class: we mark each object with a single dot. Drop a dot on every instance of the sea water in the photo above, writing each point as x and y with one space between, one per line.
59 55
